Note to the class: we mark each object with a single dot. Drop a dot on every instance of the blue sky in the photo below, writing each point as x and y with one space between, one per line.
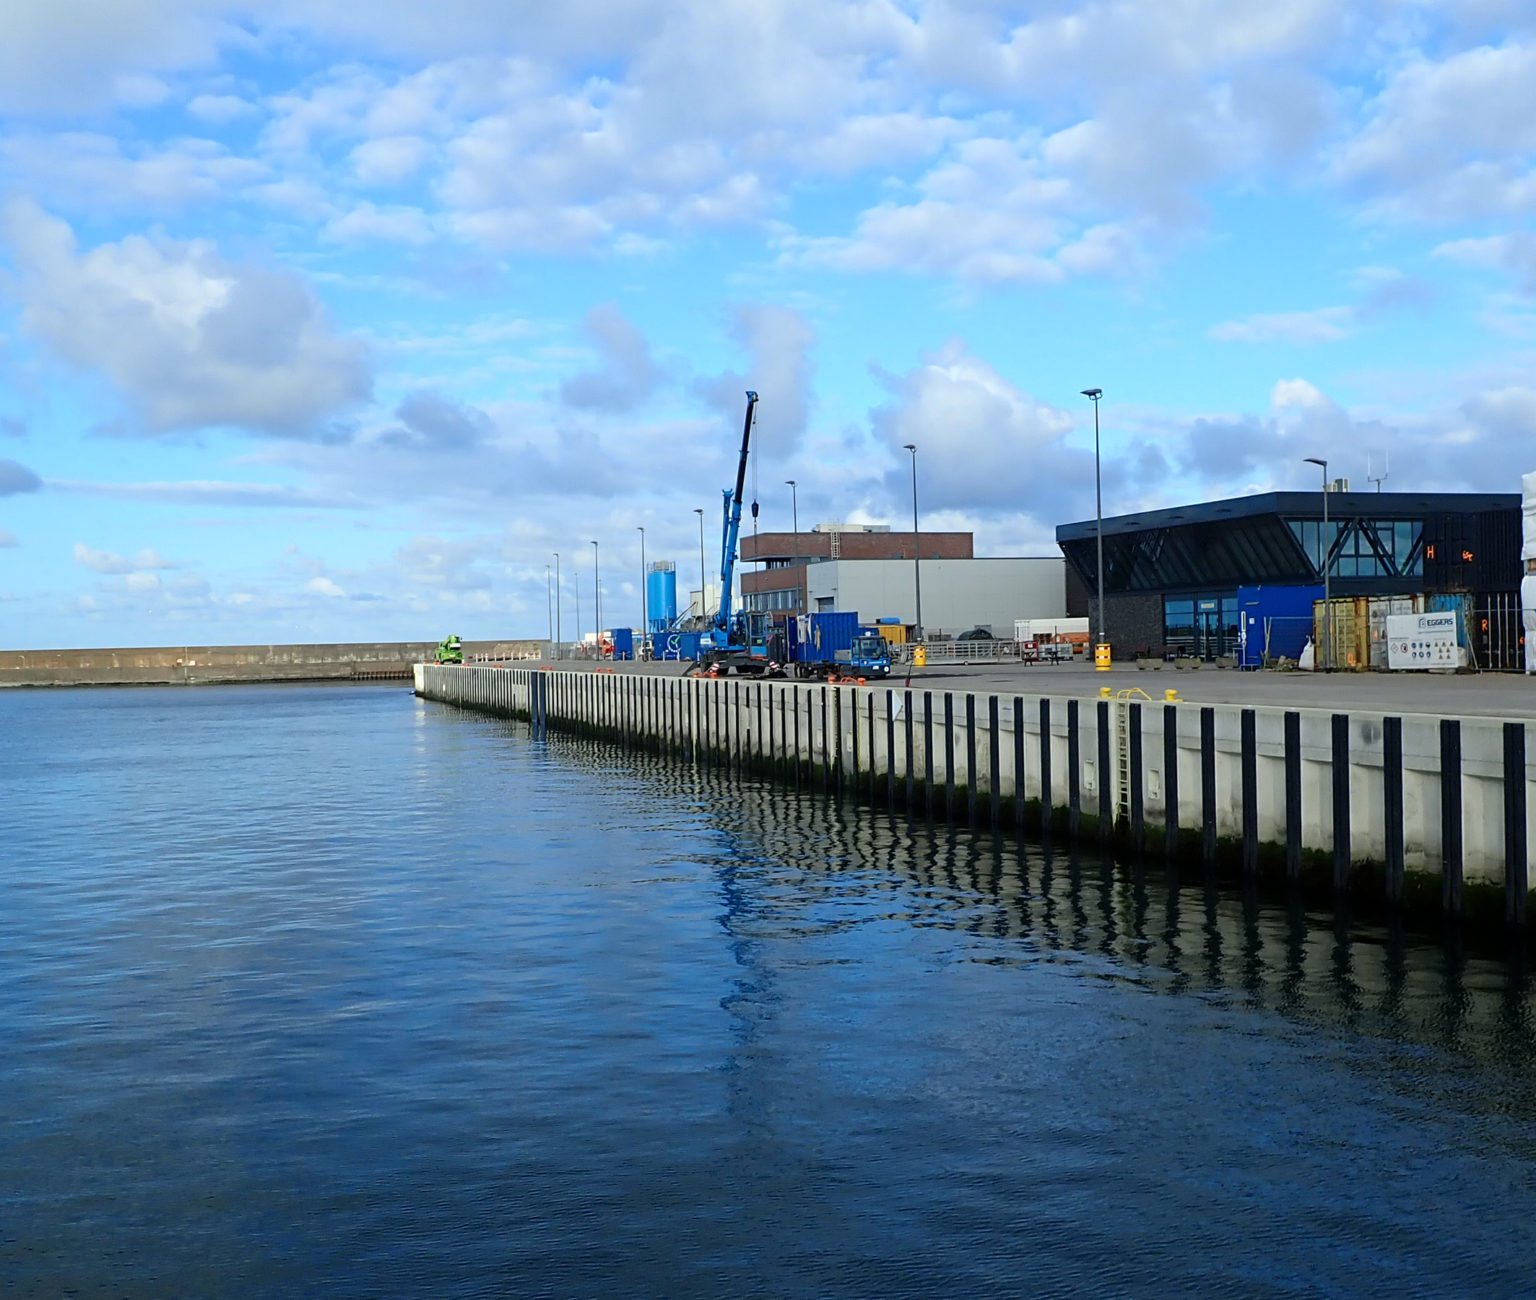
328 321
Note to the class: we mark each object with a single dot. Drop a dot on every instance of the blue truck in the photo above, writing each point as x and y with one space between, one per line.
835 645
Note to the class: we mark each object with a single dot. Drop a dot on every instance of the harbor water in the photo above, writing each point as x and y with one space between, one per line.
334 991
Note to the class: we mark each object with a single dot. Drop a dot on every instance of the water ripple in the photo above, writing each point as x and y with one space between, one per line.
332 991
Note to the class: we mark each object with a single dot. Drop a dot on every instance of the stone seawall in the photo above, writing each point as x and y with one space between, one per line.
209 665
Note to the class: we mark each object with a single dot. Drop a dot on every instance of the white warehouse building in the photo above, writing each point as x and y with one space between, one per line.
868 569
957 594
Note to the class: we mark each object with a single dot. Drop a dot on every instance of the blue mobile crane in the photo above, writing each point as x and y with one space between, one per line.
735 640
738 640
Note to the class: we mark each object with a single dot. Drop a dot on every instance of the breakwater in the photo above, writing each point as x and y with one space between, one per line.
1417 811
204 665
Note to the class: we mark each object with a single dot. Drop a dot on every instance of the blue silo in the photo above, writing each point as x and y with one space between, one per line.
661 595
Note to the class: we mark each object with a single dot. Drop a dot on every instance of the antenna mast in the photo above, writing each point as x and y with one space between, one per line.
1377 479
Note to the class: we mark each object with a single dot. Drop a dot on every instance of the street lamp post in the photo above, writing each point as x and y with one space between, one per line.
1101 648
1327 548
917 546
703 580
794 506
557 597
597 602
645 593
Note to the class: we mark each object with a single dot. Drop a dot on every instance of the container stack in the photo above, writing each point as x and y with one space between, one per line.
1528 564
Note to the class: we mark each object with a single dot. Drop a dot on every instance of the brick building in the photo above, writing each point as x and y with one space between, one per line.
781 585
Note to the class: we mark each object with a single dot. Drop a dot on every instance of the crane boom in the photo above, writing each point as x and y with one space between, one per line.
719 636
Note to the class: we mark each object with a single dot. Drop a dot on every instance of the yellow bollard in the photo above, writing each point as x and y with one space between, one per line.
1105 692
1171 695
1101 657
920 657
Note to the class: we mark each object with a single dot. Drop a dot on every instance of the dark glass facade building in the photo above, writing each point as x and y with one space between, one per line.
1171 577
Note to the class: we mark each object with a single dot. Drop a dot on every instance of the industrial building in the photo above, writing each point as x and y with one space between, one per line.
868 568
1179 580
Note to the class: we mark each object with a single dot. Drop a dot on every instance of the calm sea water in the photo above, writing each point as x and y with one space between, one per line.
329 991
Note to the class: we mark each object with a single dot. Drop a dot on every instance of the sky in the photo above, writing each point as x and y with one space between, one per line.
331 321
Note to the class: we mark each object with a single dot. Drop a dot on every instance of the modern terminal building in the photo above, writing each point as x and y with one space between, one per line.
1187 580
869 569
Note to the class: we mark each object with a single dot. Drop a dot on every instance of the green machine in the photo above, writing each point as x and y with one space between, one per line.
450 651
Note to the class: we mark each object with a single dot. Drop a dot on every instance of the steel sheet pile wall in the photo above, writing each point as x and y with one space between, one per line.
1414 805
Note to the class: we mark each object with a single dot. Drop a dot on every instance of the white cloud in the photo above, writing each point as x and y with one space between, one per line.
388 161
1471 447
1514 253
188 339
982 443
208 493
135 90
110 562
395 225
220 109
441 564
627 373
324 587
581 29
84 55
90 169
1320 325
15 478
778 340
1452 139
1288 393
434 422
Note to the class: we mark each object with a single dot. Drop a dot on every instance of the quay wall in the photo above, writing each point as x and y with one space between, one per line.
1434 811
208 665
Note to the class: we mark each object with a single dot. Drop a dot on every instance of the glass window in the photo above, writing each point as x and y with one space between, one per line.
1179 624
1312 536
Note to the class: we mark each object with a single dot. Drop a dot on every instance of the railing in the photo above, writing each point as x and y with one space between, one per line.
967 652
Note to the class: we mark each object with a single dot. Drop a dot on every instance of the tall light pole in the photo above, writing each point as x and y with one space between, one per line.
557 597
1101 649
794 507
703 581
1327 564
597 601
917 546
645 593
576 599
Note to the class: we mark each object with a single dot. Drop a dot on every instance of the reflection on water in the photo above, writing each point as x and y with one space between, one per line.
1165 932
342 993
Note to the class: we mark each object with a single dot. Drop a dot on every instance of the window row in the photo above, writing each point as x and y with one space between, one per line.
1370 548
763 601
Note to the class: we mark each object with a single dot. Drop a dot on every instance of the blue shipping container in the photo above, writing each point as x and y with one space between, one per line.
682 647
623 639
1279 617
816 638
